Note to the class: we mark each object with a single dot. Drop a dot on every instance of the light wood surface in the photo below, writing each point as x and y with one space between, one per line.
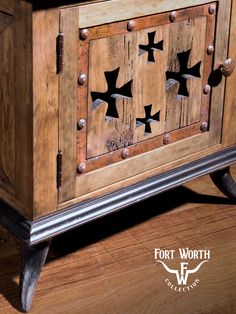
16 105
229 132
100 13
221 50
108 266
45 82
68 102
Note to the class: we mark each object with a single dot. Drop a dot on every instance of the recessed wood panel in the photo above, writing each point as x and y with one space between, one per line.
7 114
142 84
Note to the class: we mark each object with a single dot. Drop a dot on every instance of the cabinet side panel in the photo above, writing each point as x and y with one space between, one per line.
45 102
23 106
7 106
229 121
16 149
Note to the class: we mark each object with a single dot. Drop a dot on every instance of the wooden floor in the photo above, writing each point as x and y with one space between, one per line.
108 266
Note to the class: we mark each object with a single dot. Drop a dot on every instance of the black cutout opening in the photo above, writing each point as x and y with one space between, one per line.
184 72
215 78
150 47
112 94
148 119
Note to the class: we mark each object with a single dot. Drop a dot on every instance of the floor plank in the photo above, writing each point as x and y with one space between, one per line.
108 266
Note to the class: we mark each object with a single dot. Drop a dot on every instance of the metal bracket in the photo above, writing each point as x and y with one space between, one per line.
59 169
60 52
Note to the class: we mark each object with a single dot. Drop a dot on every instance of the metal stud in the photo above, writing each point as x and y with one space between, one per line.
81 124
81 168
206 89
211 9
210 49
173 16
125 153
82 79
166 139
84 34
204 126
131 25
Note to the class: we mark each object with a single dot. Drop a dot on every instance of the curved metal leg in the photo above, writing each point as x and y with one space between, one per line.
32 262
225 183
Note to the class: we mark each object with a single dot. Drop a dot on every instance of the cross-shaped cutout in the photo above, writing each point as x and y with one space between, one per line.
184 72
150 47
112 94
148 119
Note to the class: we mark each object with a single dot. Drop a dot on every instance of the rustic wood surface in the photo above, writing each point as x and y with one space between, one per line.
229 133
7 104
45 84
68 102
100 13
182 116
221 51
108 266
16 105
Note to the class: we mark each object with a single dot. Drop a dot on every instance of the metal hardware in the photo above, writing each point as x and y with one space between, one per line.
227 67
84 34
173 16
210 49
125 153
204 126
82 79
81 168
131 25
212 9
81 124
166 139
59 169
206 89
60 52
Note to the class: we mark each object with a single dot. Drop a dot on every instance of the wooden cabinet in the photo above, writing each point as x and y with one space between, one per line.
104 103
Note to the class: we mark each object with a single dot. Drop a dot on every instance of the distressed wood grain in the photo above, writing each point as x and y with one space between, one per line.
45 85
68 102
229 132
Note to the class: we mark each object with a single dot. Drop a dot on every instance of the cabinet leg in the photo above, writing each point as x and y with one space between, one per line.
225 182
32 262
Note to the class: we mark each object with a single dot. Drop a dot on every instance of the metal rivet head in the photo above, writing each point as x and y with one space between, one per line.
125 153
173 16
204 126
84 34
82 79
206 89
81 124
131 25
166 139
212 9
210 49
81 168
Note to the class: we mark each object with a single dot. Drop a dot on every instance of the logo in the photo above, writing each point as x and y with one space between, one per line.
183 272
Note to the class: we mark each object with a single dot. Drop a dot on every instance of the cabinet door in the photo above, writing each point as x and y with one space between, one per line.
141 91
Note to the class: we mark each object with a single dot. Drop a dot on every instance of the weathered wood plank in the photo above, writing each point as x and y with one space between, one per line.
23 106
116 55
7 103
229 132
68 102
221 52
184 107
101 13
45 102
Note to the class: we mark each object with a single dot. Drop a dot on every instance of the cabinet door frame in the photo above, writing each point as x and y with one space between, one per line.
99 181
